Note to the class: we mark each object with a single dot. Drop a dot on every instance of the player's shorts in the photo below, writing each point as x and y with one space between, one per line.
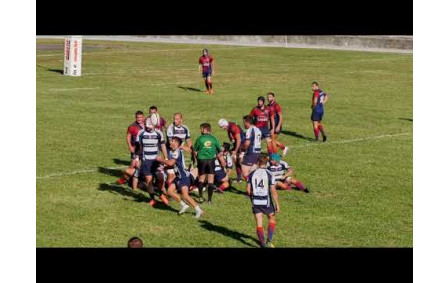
182 182
284 180
219 176
149 167
265 209
250 159
317 115
207 74
206 166
265 133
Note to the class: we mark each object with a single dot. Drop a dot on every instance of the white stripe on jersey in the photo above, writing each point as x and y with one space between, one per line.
150 141
253 134
181 132
277 170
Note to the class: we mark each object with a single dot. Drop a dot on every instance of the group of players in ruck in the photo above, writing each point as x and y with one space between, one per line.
213 162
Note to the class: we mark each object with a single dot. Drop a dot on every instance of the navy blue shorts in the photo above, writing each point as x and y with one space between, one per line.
265 133
149 167
181 182
250 159
317 115
207 74
263 209
219 175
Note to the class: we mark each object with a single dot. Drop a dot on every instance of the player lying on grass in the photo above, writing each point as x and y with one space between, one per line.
276 117
317 114
261 189
148 142
223 168
251 147
261 115
181 182
206 68
281 172
237 137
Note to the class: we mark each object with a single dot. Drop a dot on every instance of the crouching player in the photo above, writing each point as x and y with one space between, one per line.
223 168
261 189
181 183
281 172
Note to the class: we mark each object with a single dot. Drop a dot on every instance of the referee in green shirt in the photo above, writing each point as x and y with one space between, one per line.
205 148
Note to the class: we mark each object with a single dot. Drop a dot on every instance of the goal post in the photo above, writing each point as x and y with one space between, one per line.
73 56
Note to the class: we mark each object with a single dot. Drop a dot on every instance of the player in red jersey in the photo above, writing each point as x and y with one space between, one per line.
237 137
261 115
276 117
317 114
162 122
131 135
206 64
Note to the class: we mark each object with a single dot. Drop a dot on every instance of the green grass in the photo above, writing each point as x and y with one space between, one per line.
361 179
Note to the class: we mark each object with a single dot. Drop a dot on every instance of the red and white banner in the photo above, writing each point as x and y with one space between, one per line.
73 56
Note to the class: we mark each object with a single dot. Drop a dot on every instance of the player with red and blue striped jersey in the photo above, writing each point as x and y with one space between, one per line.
261 116
276 116
319 99
206 66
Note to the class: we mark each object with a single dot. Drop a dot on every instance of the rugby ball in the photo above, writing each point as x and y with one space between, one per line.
155 119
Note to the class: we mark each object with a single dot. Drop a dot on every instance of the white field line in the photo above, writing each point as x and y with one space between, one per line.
311 144
76 172
71 89
354 140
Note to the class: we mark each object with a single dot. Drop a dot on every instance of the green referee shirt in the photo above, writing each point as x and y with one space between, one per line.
206 146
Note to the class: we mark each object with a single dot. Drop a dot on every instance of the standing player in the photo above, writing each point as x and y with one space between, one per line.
281 172
205 147
261 189
261 115
251 146
149 141
237 137
182 181
162 122
131 134
276 117
319 99
205 66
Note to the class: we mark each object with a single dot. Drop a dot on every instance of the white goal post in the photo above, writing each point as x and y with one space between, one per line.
73 56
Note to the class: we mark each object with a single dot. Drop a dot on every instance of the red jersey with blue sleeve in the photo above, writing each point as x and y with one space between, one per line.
133 129
261 115
320 95
206 62
234 130
274 110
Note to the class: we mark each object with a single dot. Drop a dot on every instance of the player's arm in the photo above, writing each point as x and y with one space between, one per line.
238 144
188 147
164 151
271 114
288 172
280 121
128 141
249 189
167 162
222 162
245 145
275 197
212 63
138 152
325 98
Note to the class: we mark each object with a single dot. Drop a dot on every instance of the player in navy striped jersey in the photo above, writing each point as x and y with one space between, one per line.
149 141
261 189
281 172
182 180
251 146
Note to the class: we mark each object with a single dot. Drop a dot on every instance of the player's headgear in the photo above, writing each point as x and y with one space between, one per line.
274 156
260 98
223 122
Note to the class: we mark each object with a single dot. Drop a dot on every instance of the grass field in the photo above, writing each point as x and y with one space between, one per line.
361 178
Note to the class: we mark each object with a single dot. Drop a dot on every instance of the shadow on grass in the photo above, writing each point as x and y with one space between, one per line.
230 233
406 119
189 88
121 162
59 71
234 190
111 172
296 135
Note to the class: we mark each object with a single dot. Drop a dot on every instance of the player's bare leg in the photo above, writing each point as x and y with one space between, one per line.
128 172
282 186
209 80
259 229
271 230
173 193
316 130
191 202
150 190
299 185
160 186
269 145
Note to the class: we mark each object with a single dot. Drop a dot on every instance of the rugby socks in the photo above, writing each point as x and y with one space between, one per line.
210 191
316 133
299 185
210 84
271 148
222 187
200 188
271 229
281 146
121 181
321 129
260 234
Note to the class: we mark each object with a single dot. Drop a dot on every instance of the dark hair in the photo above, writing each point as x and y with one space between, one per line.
177 139
271 93
248 119
263 159
135 242
315 83
260 98
153 108
226 146
205 49
206 126
138 113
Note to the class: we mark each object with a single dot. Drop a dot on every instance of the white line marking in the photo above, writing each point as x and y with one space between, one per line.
71 89
310 144
76 172
353 140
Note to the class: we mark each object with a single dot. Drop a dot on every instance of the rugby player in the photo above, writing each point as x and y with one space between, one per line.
319 99
276 117
223 168
237 137
182 181
149 141
205 148
261 189
162 122
206 64
281 172
251 146
261 114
